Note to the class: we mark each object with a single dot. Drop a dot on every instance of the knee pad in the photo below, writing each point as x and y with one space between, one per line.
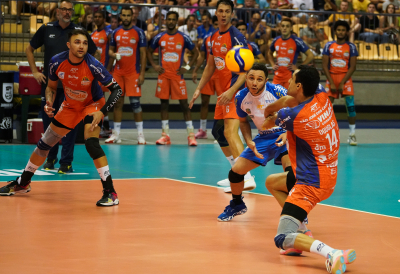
290 178
350 107
235 177
218 133
135 104
93 148
49 139
287 232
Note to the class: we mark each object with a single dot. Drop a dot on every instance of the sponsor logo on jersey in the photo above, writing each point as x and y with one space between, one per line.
339 63
133 40
290 50
314 124
125 51
163 43
73 70
118 38
77 95
171 39
219 63
102 41
277 48
85 81
224 48
331 50
283 61
72 77
171 57
61 75
179 46
346 54
248 111
98 71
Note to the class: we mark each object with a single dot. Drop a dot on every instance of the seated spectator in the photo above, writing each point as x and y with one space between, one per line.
200 12
285 4
312 35
370 30
349 18
26 7
79 14
183 12
272 19
156 9
390 23
153 28
144 13
112 10
138 22
245 15
395 3
205 28
190 30
87 22
303 5
258 32
114 22
46 8
324 5
234 22
350 8
239 3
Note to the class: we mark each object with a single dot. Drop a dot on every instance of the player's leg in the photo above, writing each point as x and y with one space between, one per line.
95 151
205 101
189 123
231 129
52 156
236 177
51 137
351 116
115 136
165 139
138 116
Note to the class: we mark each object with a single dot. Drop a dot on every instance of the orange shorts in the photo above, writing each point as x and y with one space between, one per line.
348 88
226 111
283 82
212 87
307 197
71 116
129 84
171 88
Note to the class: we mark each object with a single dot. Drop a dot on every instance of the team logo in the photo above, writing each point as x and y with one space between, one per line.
85 81
163 43
61 75
283 61
133 40
331 50
314 124
290 50
171 39
101 40
77 95
6 123
171 57
219 37
74 70
260 106
118 38
219 63
320 148
339 63
224 48
248 111
158 88
8 92
179 46
72 76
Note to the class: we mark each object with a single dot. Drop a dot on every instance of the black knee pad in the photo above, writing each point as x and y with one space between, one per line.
89 120
290 179
218 133
93 148
235 177
294 211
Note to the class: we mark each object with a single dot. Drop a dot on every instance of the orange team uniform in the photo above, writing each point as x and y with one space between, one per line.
313 136
287 52
339 64
127 43
83 94
221 43
171 48
100 39
212 86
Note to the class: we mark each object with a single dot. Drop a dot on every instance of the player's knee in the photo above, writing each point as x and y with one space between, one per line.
287 232
93 148
218 133
350 107
290 178
135 104
49 139
235 177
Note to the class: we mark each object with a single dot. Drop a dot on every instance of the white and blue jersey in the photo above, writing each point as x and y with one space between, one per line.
254 106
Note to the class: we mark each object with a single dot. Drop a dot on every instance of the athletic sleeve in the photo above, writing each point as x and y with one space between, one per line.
353 50
53 66
238 103
325 51
276 90
142 39
256 50
188 42
285 119
156 39
301 46
38 39
239 40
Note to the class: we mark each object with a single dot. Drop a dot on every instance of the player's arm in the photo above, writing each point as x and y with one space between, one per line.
36 42
261 59
226 97
246 129
50 95
270 56
325 67
207 74
156 67
112 56
116 93
352 68
200 61
283 102
195 54
309 58
142 65
270 120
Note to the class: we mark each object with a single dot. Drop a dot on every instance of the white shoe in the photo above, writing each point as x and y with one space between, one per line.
114 138
249 184
335 262
224 182
140 139
352 140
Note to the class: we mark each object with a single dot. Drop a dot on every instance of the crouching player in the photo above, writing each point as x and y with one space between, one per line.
313 136
79 73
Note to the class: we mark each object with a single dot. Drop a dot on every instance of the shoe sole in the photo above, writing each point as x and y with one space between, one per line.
116 202
141 143
15 192
200 137
163 144
350 257
62 172
339 266
243 211
292 253
223 184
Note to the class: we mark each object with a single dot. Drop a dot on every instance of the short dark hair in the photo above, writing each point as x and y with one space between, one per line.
225 2
371 4
206 13
214 19
341 23
190 15
100 12
308 77
173 12
61 1
127 8
115 17
241 24
76 32
287 20
259 66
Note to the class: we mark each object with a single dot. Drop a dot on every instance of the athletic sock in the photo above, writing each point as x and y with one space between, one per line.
117 127
203 125
189 124
237 199
352 129
165 126
139 126
320 248
106 180
27 174
231 160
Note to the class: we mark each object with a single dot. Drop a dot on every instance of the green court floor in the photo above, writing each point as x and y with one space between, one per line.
368 175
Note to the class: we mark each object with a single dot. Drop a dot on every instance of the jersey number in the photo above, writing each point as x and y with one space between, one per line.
333 141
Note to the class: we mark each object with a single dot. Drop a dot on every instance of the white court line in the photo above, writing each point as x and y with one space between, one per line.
272 196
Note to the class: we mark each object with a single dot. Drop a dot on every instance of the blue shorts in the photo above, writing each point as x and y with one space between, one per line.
265 145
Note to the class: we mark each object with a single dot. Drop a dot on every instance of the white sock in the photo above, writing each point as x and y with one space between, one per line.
117 127
164 124
247 176
104 172
203 125
189 124
139 126
320 248
352 129
231 160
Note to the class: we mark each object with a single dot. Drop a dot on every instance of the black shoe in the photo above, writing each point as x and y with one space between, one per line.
50 164
65 168
13 187
109 199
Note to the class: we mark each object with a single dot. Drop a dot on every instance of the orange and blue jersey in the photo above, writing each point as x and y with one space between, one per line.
206 47
171 49
127 43
287 51
221 43
313 136
339 56
80 81
100 38
254 48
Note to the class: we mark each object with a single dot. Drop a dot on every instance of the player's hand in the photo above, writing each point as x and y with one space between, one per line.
292 67
333 87
340 88
48 109
118 56
196 95
282 138
269 122
252 146
275 67
141 79
224 98
181 71
97 116
159 69
39 77
194 77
